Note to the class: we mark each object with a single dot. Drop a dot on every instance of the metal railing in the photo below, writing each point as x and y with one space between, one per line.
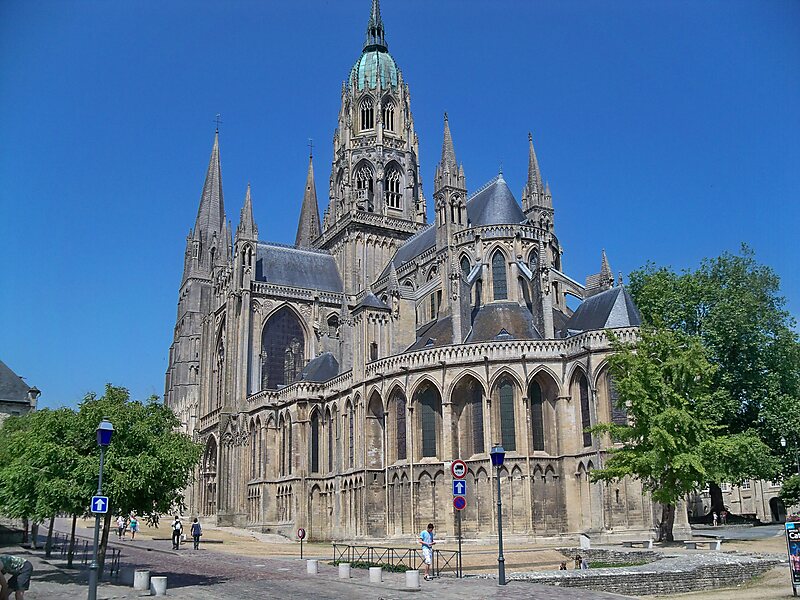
444 561
82 552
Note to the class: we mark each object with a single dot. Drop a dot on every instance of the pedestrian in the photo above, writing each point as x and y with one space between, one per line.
563 566
177 531
134 527
427 542
578 561
197 531
715 517
20 580
724 516
584 564
120 526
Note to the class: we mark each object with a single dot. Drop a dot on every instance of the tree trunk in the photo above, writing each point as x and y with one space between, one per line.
34 535
25 538
717 505
667 522
72 542
48 547
101 554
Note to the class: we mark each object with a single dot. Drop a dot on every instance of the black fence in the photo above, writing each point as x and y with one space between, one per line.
82 552
401 559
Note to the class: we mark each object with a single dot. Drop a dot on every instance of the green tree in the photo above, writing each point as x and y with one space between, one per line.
790 490
733 304
673 443
148 464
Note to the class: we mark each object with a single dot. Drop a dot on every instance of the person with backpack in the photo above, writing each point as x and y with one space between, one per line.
177 532
197 531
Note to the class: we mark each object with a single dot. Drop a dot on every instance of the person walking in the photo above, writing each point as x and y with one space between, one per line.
177 531
20 580
714 517
427 542
120 527
197 531
134 527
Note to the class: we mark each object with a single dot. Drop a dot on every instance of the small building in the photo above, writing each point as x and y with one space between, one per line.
16 396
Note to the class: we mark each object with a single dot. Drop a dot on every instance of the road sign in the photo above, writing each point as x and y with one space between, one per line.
99 504
459 503
459 469
459 487
301 533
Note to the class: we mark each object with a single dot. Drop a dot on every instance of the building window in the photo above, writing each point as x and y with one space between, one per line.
537 416
400 425
500 288
330 442
364 188
283 350
725 487
367 114
507 422
373 351
351 437
619 414
774 484
393 195
746 485
586 420
477 418
388 116
465 267
429 408
315 443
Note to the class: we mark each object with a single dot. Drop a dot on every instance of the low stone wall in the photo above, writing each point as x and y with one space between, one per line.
670 575
611 557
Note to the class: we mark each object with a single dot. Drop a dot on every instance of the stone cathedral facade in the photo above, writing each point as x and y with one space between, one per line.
332 382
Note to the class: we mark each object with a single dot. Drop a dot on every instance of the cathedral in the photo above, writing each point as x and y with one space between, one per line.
333 382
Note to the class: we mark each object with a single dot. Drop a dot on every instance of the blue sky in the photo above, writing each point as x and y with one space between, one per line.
669 131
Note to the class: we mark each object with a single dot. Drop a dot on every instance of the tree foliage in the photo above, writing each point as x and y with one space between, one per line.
673 442
790 491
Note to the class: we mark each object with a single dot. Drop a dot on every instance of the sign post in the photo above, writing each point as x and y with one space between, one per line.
459 470
793 547
301 533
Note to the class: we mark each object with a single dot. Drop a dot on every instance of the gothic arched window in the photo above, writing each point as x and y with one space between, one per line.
388 116
367 114
508 434
364 188
586 419
351 436
283 350
330 442
537 416
400 424
315 442
430 410
219 369
500 285
393 195
465 266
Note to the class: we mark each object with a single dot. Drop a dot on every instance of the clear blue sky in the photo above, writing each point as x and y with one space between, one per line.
669 131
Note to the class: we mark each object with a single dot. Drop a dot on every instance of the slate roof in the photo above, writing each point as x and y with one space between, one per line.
12 387
503 321
320 369
493 204
286 265
370 300
434 334
606 310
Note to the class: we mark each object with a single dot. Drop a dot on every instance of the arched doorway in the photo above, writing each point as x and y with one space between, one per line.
778 510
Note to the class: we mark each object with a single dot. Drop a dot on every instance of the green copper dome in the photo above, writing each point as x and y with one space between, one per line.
372 65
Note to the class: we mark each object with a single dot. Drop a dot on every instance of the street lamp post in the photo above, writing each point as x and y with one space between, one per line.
796 454
498 454
104 432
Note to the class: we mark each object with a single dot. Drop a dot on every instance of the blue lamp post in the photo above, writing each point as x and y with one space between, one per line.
498 455
104 433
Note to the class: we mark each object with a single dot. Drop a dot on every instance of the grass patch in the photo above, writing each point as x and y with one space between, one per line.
366 565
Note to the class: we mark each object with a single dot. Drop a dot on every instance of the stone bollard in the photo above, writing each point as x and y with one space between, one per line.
312 566
141 579
376 574
412 579
158 586
344 571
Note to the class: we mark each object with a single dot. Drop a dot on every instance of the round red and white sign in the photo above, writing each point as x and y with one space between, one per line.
301 533
459 469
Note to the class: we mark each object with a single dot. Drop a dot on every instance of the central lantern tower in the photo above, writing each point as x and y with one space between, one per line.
376 199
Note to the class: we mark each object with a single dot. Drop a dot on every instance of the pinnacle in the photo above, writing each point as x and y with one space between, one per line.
308 228
448 151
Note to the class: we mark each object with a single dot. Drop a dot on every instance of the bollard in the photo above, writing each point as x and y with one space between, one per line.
312 567
141 579
158 586
375 574
412 579
344 571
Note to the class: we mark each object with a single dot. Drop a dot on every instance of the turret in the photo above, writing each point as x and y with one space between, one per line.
450 193
536 199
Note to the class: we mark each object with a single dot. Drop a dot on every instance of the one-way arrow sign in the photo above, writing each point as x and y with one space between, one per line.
99 504
459 487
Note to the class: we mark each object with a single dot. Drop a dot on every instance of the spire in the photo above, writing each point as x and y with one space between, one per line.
308 227
394 282
448 152
247 225
605 270
534 175
211 213
375 39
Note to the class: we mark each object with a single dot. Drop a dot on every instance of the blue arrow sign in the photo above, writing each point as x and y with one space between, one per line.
459 487
99 504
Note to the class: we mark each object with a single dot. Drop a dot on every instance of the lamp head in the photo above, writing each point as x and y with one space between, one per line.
498 454
104 432
783 442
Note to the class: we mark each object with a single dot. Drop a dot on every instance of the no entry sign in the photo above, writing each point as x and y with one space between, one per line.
301 533
459 503
459 469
